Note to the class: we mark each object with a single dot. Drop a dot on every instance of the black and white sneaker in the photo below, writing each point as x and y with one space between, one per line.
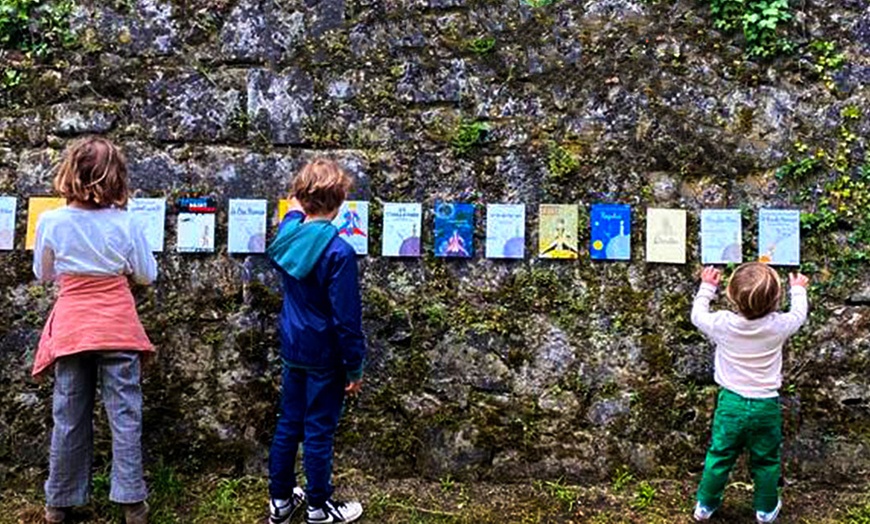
282 510
334 511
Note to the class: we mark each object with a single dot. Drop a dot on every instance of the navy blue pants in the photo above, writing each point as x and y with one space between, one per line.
311 404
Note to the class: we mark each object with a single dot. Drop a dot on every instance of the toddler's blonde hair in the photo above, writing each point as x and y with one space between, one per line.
755 289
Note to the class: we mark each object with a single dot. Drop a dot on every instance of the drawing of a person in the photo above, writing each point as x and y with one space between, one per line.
620 245
561 240
351 225
456 245
205 239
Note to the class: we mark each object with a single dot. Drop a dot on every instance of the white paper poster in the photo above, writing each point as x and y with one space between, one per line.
505 231
666 236
247 226
7 222
195 233
721 236
779 236
151 214
402 225
353 225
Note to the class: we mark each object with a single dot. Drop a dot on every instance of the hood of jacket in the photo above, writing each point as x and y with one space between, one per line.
299 245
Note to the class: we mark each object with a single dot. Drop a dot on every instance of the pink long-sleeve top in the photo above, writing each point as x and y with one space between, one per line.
748 352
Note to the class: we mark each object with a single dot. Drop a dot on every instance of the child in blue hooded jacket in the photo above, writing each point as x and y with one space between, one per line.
322 344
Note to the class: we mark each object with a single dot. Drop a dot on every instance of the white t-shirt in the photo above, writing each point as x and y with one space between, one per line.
96 242
749 352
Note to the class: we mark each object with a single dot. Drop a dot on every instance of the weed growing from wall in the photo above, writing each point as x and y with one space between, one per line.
36 27
468 135
762 23
482 46
826 61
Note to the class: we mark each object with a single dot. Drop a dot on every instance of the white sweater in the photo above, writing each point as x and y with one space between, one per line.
99 242
749 352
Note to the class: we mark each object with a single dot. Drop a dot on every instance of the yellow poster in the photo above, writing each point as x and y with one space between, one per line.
666 236
283 207
36 206
557 236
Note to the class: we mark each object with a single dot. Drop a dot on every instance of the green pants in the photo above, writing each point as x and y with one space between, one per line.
751 423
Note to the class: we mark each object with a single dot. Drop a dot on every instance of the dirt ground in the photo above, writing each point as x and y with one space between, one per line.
179 498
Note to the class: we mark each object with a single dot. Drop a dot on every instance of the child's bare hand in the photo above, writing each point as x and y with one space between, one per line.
353 389
711 275
798 279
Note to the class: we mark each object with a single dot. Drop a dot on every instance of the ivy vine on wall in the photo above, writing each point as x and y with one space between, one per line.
36 27
761 21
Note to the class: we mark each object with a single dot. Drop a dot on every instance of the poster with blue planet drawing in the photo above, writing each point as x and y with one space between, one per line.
779 237
505 231
352 222
402 224
611 232
247 226
454 229
721 236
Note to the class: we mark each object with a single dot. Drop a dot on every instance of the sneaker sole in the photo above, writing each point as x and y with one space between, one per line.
775 514
285 520
345 521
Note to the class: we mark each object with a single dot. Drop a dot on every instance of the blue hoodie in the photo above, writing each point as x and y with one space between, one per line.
321 320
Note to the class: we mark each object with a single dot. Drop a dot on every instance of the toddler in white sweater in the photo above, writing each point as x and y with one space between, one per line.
748 367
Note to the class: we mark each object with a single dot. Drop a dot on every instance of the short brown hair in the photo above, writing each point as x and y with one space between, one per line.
94 171
321 186
755 290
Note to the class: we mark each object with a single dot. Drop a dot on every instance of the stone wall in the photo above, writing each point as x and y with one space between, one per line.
503 370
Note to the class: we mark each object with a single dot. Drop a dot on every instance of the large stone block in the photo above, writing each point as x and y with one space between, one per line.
262 31
86 118
146 28
279 104
422 84
193 106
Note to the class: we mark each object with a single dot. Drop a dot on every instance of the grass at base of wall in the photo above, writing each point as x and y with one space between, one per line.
219 500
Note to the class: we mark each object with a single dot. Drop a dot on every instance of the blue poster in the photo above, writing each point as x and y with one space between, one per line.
454 229
611 232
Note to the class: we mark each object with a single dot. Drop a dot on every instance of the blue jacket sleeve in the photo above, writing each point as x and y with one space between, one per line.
344 297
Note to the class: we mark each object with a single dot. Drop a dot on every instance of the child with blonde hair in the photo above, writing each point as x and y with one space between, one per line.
93 335
322 345
748 367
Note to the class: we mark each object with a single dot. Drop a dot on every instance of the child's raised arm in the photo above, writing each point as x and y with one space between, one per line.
702 318
797 314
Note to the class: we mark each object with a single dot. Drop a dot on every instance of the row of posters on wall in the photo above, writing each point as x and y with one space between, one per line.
610 229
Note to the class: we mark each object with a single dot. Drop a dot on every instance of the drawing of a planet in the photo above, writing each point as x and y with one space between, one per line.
515 248
6 238
732 253
257 243
410 247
